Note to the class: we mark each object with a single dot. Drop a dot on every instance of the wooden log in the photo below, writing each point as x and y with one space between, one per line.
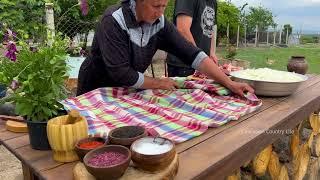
274 166
81 173
261 161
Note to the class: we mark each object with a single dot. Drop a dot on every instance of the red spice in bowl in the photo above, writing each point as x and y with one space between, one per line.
107 159
90 144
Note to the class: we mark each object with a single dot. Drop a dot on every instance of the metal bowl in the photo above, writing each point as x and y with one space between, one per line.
266 88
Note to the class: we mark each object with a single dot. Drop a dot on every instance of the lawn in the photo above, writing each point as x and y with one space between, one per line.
277 58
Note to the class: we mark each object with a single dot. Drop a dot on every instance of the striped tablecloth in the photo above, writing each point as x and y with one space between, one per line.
179 114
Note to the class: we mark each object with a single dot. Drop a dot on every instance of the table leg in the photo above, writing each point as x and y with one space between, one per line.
27 173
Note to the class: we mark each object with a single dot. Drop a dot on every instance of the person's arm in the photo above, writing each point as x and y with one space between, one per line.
173 42
183 23
209 68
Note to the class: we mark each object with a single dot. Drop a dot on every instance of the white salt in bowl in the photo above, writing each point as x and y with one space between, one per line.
152 154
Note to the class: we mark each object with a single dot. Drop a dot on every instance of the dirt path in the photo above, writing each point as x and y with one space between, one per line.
10 167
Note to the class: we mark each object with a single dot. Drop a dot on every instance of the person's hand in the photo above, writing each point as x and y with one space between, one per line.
214 58
240 88
167 84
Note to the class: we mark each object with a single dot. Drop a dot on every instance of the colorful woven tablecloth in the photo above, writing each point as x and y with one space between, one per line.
178 115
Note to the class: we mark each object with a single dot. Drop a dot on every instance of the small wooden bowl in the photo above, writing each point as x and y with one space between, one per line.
109 172
126 135
152 162
81 152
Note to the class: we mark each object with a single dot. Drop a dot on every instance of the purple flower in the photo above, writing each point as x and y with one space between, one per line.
11 52
9 35
83 52
84 7
14 84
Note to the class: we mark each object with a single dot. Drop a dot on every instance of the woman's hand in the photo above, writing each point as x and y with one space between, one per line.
240 88
166 83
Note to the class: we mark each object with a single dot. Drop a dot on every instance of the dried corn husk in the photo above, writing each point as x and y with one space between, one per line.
315 147
261 161
294 143
315 123
235 176
283 175
274 166
301 161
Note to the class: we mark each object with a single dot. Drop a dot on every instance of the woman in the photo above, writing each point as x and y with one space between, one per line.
125 41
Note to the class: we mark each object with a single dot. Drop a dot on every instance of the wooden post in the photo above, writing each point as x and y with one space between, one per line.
287 36
238 33
256 40
274 36
245 35
267 37
228 27
280 31
215 31
50 22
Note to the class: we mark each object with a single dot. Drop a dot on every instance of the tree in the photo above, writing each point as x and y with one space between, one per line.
169 10
227 14
23 16
260 16
289 27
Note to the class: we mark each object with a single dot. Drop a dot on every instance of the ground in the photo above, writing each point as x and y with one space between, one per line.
10 167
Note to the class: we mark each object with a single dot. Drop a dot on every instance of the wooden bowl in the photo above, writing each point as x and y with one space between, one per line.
81 152
150 161
112 171
126 135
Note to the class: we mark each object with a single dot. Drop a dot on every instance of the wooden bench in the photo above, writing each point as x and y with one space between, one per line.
213 155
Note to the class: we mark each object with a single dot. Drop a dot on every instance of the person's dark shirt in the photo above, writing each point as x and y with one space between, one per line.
203 14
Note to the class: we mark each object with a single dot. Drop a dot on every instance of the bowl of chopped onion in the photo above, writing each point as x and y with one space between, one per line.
269 82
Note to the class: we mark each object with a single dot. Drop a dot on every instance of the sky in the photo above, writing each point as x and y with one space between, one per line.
301 14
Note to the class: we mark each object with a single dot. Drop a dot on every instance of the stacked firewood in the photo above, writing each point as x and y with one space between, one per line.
295 156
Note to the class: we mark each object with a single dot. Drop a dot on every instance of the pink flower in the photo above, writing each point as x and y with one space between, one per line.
84 7
9 35
11 52
14 85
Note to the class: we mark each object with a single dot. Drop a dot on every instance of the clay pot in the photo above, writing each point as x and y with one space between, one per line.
297 64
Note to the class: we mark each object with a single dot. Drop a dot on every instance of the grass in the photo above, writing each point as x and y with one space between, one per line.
278 57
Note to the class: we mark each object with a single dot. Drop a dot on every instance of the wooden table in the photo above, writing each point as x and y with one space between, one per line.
213 155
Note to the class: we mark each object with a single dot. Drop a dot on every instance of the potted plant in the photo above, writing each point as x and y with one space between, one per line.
231 60
36 79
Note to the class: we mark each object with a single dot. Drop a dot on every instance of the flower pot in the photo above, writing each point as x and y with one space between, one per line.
2 90
63 137
297 64
38 135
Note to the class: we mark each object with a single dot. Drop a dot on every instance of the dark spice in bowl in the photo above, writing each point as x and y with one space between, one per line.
128 132
126 135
